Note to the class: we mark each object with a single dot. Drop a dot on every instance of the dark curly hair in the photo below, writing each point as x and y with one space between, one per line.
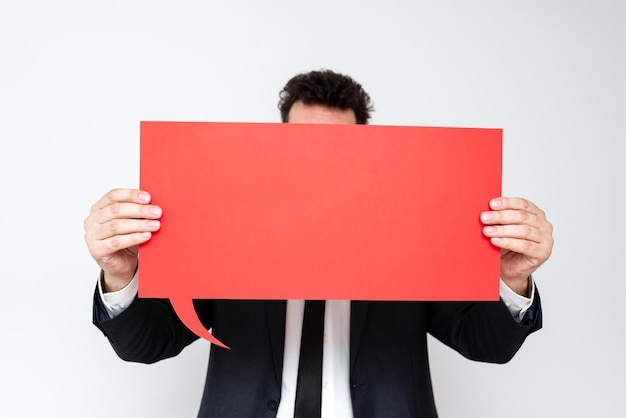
326 88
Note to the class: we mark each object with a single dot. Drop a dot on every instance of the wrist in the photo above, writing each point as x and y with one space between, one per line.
113 283
520 286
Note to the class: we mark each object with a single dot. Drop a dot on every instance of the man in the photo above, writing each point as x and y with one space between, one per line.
375 361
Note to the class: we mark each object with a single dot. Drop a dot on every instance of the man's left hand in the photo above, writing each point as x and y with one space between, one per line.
524 235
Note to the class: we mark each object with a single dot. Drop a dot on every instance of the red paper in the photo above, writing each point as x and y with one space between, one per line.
295 211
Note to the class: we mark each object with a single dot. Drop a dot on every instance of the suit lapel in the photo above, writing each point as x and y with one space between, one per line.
358 314
276 314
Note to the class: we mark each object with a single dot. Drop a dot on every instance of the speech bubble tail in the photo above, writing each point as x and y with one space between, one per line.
187 313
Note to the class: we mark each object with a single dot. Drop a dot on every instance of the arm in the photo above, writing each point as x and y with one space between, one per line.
148 329
488 331
482 331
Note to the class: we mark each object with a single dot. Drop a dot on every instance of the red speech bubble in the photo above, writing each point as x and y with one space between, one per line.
294 211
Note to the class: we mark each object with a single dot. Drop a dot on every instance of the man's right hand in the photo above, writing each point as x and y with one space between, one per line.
117 223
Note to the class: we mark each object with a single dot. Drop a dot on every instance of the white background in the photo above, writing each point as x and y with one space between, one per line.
76 77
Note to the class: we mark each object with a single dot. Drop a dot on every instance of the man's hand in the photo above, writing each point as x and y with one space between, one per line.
524 235
117 223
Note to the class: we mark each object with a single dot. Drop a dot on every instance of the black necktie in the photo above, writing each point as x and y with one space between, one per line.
309 387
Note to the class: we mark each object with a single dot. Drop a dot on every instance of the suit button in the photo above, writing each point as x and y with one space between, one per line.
272 405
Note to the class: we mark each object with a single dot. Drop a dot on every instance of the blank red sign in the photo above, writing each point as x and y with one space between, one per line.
296 211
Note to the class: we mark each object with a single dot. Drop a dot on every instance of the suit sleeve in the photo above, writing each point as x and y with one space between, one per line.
148 330
483 331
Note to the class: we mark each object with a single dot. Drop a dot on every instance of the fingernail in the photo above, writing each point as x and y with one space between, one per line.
495 203
145 234
489 229
153 224
496 240
155 211
486 216
145 197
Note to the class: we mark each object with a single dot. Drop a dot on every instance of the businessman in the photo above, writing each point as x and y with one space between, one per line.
372 358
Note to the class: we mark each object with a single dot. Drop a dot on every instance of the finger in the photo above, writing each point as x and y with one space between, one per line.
124 210
515 203
122 195
96 233
532 250
104 248
125 226
511 217
524 232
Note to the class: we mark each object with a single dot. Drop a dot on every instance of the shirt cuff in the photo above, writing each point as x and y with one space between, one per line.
517 304
116 302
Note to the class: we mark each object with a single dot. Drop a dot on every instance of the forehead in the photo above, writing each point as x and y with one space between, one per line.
313 113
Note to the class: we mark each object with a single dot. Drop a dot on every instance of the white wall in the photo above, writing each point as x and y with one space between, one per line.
76 77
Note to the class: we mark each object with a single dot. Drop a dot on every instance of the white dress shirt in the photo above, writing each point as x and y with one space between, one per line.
336 401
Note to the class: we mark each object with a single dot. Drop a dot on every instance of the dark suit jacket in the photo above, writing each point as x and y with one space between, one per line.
389 372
